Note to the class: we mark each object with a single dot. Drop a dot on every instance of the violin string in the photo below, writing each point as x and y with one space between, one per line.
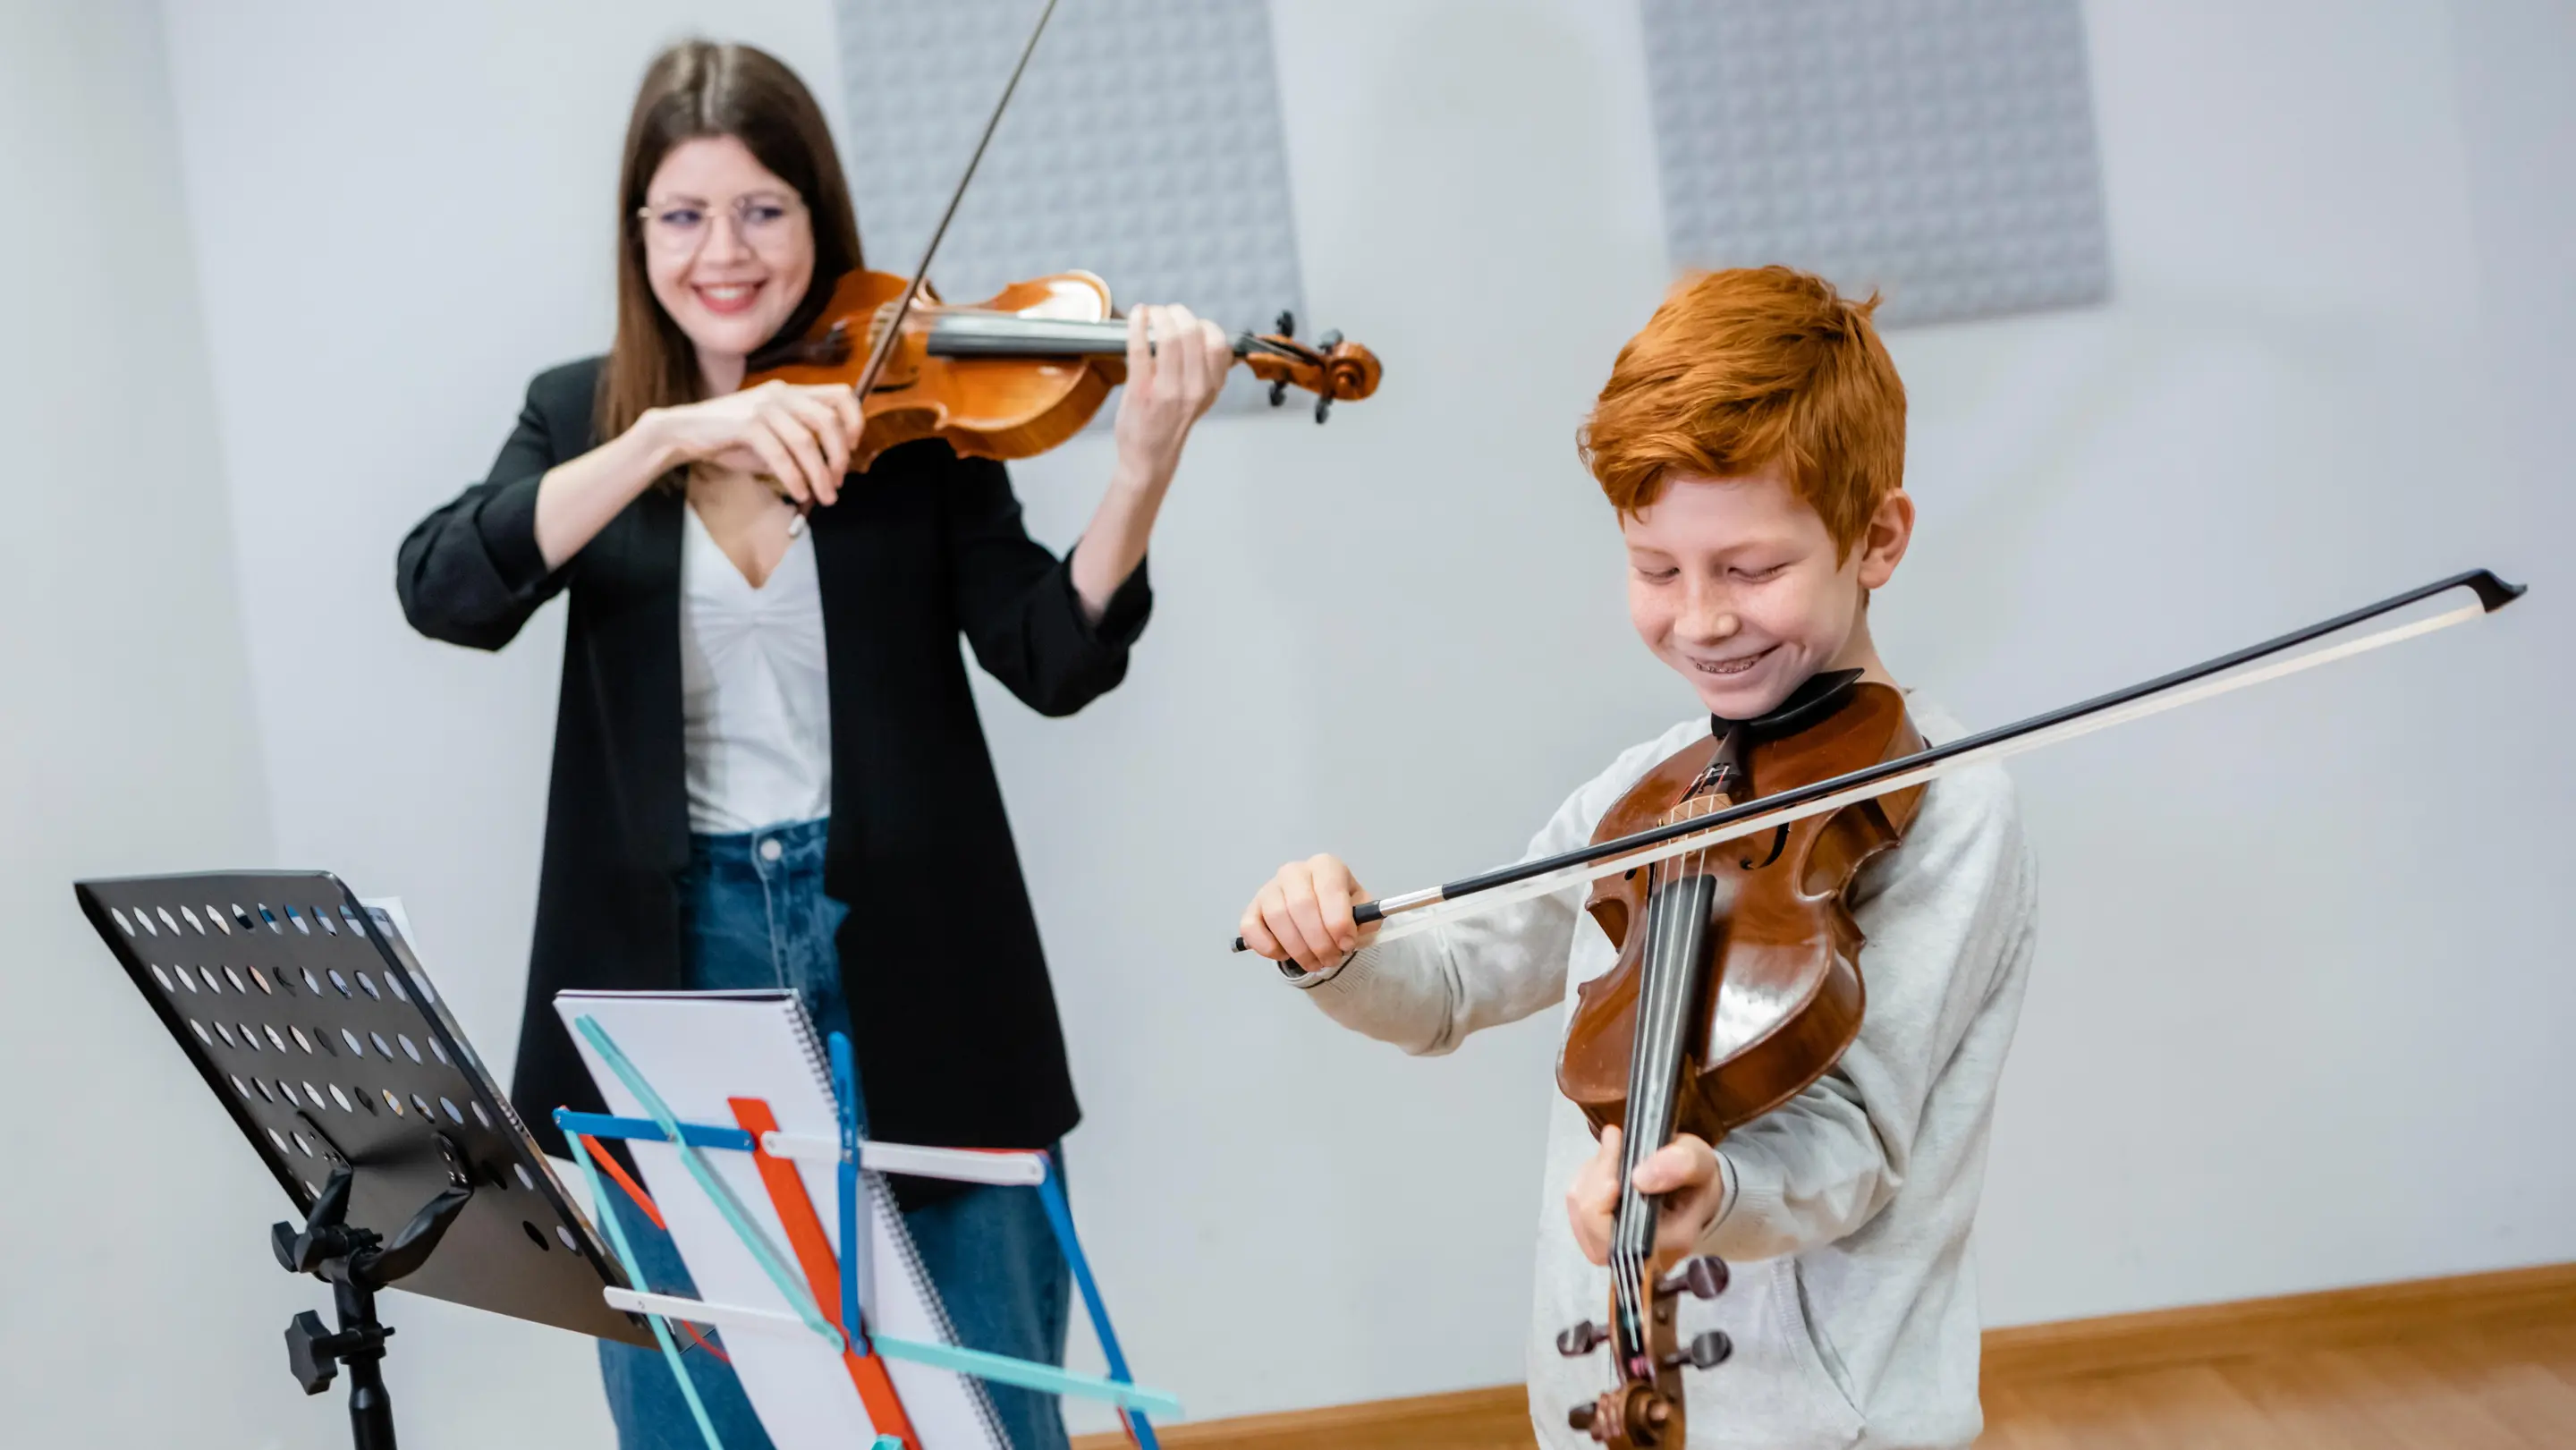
1693 926
1664 1004
1654 994
1631 1231
1410 922
1640 1056
1624 1287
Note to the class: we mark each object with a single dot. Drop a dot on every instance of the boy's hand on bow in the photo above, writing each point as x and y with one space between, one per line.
1304 915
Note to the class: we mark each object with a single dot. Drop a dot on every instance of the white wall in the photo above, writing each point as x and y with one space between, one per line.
138 1314
2302 970
2302 960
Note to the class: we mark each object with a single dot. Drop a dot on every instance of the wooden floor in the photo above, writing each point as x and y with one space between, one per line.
2502 1389
2485 1362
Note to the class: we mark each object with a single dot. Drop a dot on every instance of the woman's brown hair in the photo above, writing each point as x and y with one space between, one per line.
700 88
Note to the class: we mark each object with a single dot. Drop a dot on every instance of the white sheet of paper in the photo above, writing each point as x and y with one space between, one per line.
696 1050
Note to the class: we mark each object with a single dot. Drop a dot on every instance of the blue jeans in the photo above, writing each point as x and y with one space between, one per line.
753 914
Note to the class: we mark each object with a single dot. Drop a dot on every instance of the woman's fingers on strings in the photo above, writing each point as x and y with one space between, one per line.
1214 355
1220 359
1188 341
1173 364
1140 352
1183 368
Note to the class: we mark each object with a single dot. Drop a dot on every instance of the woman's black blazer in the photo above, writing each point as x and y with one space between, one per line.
954 1022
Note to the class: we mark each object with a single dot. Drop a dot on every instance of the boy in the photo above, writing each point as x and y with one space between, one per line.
1751 440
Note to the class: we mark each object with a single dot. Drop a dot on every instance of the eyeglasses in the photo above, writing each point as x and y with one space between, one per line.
764 221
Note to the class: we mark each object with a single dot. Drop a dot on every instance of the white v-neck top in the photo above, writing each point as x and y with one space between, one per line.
755 710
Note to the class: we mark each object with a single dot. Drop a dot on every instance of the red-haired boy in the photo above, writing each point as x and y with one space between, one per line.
1752 442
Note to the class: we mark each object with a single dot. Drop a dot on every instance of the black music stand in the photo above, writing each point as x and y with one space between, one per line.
311 1021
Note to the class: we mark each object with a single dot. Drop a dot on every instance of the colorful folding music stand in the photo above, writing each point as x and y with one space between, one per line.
822 1288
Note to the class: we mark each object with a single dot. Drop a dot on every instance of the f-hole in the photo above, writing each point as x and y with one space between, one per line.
1779 843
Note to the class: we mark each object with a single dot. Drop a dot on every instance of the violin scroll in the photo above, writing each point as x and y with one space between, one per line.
1635 1414
1333 368
1646 1409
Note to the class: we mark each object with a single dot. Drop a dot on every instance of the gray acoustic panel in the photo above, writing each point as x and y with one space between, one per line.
1941 151
1144 144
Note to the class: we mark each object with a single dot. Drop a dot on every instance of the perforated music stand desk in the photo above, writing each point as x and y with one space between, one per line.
312 1023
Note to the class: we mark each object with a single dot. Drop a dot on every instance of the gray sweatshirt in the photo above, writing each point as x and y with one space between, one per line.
1847 1214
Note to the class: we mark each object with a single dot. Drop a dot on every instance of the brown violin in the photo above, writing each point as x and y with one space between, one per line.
1018 373
1737 985
1021 371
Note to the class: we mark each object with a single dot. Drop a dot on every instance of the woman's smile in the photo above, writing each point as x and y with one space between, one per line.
726 299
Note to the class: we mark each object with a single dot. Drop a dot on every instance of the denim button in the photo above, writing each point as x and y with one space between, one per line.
770 850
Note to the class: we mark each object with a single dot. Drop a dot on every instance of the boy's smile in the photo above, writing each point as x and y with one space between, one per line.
1735 584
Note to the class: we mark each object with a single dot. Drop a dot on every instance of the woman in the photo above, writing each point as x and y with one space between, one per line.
768 769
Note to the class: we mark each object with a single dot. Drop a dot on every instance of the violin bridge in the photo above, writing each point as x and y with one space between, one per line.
1720 781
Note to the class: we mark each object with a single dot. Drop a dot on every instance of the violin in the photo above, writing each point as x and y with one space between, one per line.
1023 370
1737 985
1018 373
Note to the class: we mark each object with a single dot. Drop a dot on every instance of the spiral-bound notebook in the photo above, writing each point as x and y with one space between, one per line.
698 1049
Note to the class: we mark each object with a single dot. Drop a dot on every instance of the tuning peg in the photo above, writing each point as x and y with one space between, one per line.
1323 405
1706 1351
1287 324
1581 1416
1581 1340
1278 391
1328 341
1703 1277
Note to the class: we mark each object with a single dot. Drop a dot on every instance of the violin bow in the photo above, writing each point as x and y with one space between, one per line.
882 349
1415 912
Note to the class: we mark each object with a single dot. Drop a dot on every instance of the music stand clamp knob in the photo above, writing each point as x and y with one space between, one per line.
313 1352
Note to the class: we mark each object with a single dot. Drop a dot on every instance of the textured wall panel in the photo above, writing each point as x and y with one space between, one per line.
1144 145
1940 150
